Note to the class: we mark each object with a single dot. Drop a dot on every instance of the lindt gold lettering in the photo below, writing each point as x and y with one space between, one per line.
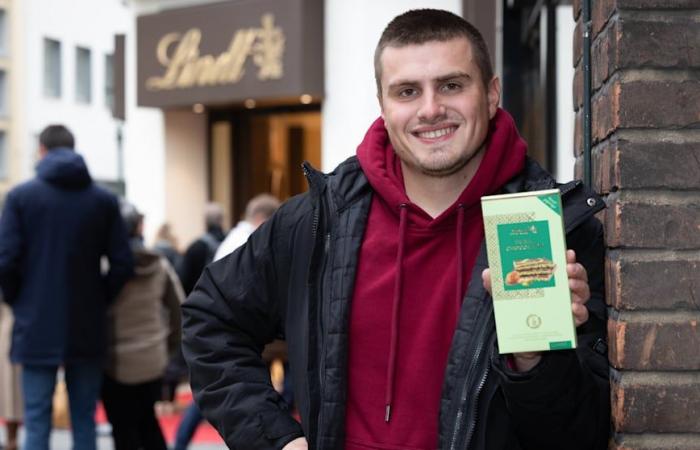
185 68
268 50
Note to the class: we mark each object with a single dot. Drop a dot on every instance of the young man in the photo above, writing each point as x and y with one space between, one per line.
54 231
374 277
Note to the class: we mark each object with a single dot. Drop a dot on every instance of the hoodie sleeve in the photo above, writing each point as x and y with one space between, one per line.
233 311
564 401
11 243
121 263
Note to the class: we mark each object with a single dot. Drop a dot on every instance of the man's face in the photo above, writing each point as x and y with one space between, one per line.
435 105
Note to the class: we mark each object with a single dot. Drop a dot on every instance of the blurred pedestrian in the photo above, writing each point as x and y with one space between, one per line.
54 231
10 388
144 323
258 210
201 252
166 245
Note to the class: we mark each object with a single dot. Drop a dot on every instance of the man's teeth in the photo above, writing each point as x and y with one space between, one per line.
436 133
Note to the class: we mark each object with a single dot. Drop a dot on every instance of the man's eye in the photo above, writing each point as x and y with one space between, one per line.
407 92
451 87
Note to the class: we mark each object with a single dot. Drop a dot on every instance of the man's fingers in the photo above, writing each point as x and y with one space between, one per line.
576 270
580 292
486 278
580 313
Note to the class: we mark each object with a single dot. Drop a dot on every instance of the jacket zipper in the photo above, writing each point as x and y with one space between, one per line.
323 320
461 412
319 294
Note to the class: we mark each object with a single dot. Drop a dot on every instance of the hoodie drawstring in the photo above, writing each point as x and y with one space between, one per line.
393 345
396 305
460 257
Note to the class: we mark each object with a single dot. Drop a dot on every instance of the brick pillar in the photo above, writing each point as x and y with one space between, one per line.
646 162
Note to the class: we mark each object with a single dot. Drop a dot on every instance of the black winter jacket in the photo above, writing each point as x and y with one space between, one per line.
294 279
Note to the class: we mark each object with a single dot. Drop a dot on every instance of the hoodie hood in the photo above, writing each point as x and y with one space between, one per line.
64 168
504 157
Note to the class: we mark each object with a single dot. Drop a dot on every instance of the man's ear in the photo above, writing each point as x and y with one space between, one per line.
494 96
42 151
381 104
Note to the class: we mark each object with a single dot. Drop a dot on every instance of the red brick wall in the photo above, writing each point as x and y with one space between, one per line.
646 161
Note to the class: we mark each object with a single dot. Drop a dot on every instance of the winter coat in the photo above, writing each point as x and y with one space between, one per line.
294 279
54 230
144 321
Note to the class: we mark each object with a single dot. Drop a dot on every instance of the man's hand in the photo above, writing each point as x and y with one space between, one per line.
297 444
580 293
578 285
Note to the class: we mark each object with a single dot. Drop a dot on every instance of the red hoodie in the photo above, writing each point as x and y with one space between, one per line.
412 274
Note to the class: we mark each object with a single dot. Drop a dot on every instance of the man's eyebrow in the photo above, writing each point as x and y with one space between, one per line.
440 79
452 76
405 82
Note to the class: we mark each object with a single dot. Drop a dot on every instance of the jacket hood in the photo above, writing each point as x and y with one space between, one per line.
146 262
504 157
64 168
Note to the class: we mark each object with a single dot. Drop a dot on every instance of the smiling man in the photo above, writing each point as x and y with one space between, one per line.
374 277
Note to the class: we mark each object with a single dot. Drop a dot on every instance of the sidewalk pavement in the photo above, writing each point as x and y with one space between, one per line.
62 440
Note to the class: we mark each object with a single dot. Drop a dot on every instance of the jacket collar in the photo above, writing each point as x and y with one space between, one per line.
579 201
347 183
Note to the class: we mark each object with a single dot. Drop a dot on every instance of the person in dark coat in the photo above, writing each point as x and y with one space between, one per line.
378 280
202 250
55 231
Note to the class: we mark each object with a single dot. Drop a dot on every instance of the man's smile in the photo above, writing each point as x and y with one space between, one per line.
435 133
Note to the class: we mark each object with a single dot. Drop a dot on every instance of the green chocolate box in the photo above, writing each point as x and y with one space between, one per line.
527 257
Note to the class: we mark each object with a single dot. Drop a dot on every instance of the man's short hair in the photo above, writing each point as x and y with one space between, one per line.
419 26
262 205
56 136
213 215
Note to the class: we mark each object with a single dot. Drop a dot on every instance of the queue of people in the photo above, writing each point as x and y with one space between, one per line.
112 331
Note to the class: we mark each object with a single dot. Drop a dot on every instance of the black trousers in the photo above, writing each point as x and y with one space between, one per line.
130 410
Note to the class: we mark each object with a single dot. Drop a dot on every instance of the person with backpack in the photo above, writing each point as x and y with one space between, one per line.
201 252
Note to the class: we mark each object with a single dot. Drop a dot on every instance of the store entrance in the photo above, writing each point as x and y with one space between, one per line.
261 151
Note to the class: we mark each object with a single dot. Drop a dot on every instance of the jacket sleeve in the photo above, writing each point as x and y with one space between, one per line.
232 313
564 401
11 243
121 261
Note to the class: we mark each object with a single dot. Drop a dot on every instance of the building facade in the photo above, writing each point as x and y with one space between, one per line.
227 129
55 68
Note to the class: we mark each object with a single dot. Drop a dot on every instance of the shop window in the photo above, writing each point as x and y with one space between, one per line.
3 32
3 93
3 155
52 68
109 81
83 75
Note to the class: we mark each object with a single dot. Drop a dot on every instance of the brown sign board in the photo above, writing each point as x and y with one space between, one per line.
230 51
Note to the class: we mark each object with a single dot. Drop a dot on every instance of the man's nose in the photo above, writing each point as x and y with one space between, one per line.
431 108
